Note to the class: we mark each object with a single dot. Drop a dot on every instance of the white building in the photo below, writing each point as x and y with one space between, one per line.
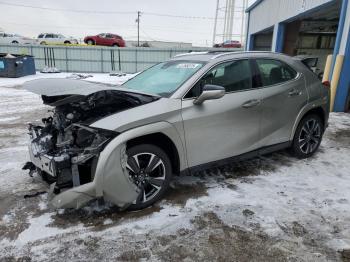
306 27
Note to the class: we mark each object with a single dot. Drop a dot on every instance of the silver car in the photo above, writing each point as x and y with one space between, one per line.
200 110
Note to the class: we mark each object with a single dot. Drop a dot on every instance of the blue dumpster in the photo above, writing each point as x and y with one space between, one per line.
12 65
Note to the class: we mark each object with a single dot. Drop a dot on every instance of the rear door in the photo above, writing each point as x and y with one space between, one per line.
283 96
229 126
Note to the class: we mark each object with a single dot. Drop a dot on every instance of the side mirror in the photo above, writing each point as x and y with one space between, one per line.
210 92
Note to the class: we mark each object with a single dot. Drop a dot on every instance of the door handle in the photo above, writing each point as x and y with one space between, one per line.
251 103
294 92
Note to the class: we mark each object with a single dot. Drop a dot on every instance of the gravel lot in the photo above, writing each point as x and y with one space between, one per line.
273 208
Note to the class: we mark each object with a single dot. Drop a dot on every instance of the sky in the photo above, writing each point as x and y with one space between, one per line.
89 17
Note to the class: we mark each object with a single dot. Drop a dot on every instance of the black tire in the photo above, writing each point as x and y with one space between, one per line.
142 151
115 45
43 43
15 42
67 43
90 42
307 138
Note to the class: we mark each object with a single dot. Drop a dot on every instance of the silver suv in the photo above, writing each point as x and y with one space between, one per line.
199 110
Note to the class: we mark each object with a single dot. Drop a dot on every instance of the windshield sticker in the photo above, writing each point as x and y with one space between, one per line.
188 66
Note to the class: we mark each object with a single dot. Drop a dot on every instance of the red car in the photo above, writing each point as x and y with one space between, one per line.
229 44
106 39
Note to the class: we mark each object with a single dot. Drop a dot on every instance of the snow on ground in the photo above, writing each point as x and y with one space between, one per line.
273 208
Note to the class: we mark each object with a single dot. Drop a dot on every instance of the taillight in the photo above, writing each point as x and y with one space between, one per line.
326 84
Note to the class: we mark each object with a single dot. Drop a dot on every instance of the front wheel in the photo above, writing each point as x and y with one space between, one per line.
308 136
150 169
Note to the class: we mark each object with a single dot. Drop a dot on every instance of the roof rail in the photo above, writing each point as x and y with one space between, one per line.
192 53
227 53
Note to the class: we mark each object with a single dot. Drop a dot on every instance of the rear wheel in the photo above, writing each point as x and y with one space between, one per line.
150 169
67 43
15 42
308 136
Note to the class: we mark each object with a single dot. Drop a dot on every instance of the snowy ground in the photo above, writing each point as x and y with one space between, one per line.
274 208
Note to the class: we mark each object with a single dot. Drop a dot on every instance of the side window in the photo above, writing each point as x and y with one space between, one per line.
41 36
233 76
49 36
273 72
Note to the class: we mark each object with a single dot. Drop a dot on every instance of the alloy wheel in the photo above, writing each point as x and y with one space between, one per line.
148 172
310 136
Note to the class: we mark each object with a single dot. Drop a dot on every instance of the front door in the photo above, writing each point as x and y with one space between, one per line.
229 126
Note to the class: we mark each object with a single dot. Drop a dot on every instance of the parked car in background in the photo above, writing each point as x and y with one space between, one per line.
105 39
50 38
229 44
6 38
193 112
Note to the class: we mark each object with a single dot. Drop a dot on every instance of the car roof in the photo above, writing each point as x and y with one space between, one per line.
222 55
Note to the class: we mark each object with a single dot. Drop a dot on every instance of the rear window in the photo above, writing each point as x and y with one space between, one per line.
274 72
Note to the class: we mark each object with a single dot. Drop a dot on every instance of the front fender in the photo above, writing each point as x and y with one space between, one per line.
111 177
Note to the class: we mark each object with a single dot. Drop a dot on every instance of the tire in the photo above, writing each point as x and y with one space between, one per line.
90 42
15 42
149 157
308 136
43 43
115 45
67 43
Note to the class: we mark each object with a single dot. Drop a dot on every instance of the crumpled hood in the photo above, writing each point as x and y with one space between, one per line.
78 101
63 87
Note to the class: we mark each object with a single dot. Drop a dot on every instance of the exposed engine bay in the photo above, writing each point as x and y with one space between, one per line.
64 150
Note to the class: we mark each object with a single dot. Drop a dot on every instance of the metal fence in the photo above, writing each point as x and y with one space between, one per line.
98 59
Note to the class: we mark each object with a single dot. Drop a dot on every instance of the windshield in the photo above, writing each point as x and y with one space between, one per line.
165 78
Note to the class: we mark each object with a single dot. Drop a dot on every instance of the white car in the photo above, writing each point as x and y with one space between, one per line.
6 38
49 38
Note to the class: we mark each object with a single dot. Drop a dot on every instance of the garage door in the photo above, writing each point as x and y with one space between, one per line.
263 42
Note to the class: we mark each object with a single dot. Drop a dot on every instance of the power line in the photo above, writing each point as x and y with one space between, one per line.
104 12
66 10
180 16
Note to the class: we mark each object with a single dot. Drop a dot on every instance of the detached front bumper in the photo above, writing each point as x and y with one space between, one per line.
109 178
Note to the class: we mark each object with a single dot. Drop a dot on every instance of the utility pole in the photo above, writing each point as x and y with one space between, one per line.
138 28
216 20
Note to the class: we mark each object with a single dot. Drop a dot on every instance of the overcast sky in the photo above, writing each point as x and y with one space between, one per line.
31 21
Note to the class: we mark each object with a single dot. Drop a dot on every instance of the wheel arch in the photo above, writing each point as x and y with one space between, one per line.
318 110
162 141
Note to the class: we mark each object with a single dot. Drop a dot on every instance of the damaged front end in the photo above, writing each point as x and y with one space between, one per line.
66 157
66 151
